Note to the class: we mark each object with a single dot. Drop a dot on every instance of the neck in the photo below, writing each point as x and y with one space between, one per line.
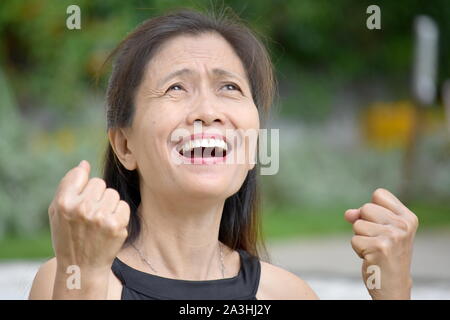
180 239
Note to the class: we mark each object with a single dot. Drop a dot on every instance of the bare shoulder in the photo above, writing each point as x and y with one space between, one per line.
42 287
277 283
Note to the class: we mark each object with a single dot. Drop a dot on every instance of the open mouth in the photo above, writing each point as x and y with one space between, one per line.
204 148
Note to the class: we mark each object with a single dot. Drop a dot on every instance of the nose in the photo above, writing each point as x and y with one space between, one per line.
206 112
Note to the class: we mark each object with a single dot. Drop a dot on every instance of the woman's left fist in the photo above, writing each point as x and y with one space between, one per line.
384 234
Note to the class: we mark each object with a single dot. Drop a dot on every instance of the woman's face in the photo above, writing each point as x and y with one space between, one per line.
193 79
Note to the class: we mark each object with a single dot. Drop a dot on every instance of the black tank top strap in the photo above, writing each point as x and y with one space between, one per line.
138 285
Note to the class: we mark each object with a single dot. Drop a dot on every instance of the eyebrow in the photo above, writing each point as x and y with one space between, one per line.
216 71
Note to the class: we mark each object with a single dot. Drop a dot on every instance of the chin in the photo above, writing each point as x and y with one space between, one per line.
210 189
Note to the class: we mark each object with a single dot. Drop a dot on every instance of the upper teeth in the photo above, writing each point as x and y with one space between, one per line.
206 143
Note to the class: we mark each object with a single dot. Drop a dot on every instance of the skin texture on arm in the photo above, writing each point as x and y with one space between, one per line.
44 282
93 285
42 287
51 283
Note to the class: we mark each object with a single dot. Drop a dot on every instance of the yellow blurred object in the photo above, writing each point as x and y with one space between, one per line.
65 140
389 125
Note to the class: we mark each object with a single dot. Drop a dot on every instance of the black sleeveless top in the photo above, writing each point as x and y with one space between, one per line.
138 285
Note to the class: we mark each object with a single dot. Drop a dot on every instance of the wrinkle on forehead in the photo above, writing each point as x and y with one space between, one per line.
195 51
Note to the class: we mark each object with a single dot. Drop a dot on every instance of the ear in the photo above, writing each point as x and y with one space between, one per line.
120 143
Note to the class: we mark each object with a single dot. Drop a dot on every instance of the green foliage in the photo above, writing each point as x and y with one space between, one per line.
38 246
318 168
32 162
51 65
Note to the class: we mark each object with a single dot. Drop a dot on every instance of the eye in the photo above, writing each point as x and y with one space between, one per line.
175 87
232 86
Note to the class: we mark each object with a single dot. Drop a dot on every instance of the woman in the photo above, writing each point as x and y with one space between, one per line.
156 227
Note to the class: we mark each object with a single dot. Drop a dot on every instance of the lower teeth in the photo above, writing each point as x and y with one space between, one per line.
204 153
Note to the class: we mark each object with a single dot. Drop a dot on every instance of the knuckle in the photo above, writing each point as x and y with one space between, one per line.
371 258
126 223
357 225
364 214
383 246
81 208
366 208
114 224
112 193
402 225
83 211
124 233
123 207
395 234
62 203
354 241
113 227
97 220
378 194
354 244
98 182
121 233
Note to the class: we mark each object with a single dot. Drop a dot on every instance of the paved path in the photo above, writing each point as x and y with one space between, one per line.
328 264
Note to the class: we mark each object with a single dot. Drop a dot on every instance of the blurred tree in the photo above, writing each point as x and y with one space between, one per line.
51 65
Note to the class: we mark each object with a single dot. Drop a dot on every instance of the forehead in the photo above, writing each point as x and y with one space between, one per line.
207 50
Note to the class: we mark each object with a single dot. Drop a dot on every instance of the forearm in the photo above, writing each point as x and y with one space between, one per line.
392 296
401 292
91 284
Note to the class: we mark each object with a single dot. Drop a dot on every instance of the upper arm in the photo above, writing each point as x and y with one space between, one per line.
42 287
279 284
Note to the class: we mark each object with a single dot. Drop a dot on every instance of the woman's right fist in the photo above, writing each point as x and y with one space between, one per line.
88 221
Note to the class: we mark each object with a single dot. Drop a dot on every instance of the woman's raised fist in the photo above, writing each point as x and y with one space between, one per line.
88 221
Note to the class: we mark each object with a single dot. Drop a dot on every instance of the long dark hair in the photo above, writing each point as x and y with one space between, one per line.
240 227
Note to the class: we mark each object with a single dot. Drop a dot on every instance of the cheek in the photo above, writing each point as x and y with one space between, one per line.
246 120
255 119
251 142
252 118
154 123
150 129
245 116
